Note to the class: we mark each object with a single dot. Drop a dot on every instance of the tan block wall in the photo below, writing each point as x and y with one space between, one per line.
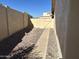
3 23
26 18
15 20
12 21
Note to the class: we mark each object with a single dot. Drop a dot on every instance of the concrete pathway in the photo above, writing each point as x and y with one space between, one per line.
52 47
46 46
41 45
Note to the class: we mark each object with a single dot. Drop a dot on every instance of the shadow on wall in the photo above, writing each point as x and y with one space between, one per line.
7 44
30 25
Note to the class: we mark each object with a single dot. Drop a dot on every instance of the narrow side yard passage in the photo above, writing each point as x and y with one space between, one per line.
41 42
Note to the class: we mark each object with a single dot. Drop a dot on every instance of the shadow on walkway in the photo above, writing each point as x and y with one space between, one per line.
7 44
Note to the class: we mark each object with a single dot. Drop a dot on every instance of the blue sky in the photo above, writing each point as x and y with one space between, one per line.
33 7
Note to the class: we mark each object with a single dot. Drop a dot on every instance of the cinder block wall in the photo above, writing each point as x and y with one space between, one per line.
15 20
12 21
25 20
3 22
